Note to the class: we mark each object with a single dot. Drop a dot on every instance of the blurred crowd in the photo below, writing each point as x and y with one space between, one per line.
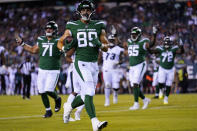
177 19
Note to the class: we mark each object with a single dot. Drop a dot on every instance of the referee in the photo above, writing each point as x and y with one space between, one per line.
26 68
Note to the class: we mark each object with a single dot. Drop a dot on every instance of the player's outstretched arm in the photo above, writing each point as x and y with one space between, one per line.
104 41
153 38
32 49
181 48
60 44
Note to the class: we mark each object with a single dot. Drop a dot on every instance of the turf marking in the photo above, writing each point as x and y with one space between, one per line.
122 110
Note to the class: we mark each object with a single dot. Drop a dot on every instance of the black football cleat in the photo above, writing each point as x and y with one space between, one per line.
156 97
48 114
58 104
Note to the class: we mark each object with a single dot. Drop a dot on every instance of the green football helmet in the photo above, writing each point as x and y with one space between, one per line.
51 25
167 42
136 33
85 4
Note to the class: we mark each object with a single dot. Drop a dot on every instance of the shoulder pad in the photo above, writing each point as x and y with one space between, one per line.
72 23
144 40
41 37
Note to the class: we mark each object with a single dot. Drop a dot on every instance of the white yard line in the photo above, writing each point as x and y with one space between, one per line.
122 110
19 117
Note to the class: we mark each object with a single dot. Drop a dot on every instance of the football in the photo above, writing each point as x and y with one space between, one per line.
68 39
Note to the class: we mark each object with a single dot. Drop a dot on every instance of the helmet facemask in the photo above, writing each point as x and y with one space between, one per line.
112 40
135 33
85 5
167 42
51 25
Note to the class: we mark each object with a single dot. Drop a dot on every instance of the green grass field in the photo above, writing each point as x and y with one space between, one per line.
17 114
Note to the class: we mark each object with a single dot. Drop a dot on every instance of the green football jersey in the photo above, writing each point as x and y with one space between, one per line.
167 56
137 51
83 35
49 53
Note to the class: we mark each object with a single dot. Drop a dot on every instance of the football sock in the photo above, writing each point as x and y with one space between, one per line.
45 100
80 108
168 88
107 94
77 102
157 90
141 95
90 106
115 94
52 94
136 92
70 99
161 86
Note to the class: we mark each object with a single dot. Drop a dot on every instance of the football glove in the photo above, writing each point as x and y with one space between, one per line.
19 40
181 42
154 29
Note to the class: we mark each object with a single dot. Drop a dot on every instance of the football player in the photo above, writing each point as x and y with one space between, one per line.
158 92
88 38
49 65
111 60
11 71
167 53
3 69
73 83
137 49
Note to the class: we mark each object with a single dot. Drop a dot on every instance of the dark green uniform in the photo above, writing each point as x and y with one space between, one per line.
137 51
167 56
84 34
49 53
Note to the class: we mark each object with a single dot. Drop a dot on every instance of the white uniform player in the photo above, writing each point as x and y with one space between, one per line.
34 86
158 92
12 71
3 70
73 83
111 76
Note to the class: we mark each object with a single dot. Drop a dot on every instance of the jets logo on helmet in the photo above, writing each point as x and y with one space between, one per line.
51 25
86 4
167 42
135 33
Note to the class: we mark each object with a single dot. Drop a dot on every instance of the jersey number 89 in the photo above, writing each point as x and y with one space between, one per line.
84 39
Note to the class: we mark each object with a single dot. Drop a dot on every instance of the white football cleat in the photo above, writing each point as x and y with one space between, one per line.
136 106
146 101
107 103
98 125
71 119
165 100
67 112
77 116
